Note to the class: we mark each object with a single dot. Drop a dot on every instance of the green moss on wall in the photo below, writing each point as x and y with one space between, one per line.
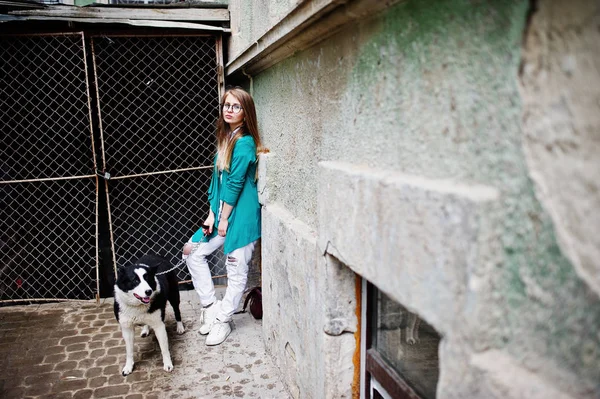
430 88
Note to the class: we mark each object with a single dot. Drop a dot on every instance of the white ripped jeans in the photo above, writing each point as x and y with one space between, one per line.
237 275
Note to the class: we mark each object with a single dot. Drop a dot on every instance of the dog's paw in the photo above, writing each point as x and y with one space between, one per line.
168 367
145 331
127 369
180 328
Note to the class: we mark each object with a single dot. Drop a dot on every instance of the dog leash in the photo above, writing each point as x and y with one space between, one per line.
171 269
181 261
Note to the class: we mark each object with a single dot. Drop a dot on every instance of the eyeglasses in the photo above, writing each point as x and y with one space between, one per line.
236 108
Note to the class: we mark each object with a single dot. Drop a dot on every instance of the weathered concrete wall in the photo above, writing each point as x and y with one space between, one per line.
251 19
403 142
560 75
309 305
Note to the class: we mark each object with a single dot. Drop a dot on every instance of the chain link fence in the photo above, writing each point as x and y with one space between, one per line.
158 102
48 198
141 108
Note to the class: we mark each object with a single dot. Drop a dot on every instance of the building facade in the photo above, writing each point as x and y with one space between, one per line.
446 153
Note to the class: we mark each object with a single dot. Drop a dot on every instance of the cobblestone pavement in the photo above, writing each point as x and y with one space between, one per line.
75 350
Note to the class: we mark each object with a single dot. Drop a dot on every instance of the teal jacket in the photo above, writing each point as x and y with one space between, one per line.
238 189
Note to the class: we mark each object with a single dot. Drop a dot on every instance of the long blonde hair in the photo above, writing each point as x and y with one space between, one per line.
249 126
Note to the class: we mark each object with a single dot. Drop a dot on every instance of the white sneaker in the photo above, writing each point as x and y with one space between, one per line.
208 316
218 333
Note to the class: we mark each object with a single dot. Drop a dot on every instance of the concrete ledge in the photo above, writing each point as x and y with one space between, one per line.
419 235
309 23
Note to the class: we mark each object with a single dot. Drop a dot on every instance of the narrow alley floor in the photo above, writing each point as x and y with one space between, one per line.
75 350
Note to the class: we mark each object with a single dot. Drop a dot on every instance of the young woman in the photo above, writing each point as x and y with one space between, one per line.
233 218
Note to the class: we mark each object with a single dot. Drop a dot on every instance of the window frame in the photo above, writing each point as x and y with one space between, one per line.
376 367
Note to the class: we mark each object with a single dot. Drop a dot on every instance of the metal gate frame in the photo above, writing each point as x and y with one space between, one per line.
21 249
104 174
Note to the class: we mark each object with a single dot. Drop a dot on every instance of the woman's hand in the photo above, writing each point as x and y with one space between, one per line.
224 218
209 223
223 224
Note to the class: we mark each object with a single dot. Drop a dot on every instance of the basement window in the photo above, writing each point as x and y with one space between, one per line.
401 350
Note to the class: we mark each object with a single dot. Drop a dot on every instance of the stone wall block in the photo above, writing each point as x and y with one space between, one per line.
339 368
408 235
340 298
263 182
293 301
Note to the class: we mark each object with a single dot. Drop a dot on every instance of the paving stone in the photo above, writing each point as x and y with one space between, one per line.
85 364
59 395
112 370
69 326
113 342
52 350
111 328
16 392
75 347
67 365
13 381
38 389
69 385
78 355
27 361
90 330
97 382
136 376
83 394
106 361
63 333
98 353
105 392
115 351
72 373
95 345
144 386
31 369
93 372
42 378
101 337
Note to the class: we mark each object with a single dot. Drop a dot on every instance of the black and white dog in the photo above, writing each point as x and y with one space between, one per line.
141 295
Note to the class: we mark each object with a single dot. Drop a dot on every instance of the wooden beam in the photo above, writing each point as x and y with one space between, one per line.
132 22
164 14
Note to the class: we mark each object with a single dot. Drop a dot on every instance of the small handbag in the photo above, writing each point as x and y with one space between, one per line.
254 300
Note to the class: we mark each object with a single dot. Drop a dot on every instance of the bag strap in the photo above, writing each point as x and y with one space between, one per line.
253 292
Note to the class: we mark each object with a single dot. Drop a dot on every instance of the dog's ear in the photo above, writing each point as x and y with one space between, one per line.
152 269
120 274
